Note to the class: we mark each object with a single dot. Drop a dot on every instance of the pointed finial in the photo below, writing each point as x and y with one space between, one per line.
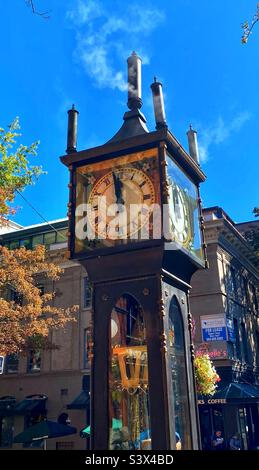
159 107
72 130
193 144
134 81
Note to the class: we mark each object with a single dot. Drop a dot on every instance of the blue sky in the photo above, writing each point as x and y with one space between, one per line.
79 56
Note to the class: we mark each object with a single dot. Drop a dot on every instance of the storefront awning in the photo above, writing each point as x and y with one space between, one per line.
82 401
32 404
241 390
232 393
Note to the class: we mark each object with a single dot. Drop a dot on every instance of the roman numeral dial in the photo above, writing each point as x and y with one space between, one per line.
130 189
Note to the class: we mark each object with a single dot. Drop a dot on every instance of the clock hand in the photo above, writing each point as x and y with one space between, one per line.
118 187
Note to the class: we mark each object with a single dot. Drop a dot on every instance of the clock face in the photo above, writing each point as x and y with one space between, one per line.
180 217
115 199
183 210
127 188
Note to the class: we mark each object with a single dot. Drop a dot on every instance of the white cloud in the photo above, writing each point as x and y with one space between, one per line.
219 132
104 39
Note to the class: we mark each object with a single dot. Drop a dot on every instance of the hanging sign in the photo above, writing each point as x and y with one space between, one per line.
214 327
231 331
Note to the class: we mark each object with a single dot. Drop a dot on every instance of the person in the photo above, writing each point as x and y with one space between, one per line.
235 443
217 441
178 443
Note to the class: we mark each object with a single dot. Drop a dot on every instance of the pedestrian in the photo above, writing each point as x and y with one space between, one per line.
235 443
217 441
178 443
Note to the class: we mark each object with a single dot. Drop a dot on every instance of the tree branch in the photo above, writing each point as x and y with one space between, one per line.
31 5
248 28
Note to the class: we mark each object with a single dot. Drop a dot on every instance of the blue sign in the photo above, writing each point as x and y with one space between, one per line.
1 364
214 327
231 331
214 334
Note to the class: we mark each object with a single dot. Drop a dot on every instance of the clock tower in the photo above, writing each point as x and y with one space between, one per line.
135 224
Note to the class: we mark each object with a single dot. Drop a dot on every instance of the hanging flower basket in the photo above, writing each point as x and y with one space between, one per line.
205 373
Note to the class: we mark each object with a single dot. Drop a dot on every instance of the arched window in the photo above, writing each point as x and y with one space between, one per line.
179 377
129 421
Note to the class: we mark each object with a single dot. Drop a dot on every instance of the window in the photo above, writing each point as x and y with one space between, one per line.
237 343
34 361
129 418
14 244
87 294
255 303
61 236
41 288
6 431
233 282
12 364
49 238
244 342
26 242
244 290
179 375
257 347
87 340
37 240
14 296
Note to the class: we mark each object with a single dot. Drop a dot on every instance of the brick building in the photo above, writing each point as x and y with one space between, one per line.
225 308
54 383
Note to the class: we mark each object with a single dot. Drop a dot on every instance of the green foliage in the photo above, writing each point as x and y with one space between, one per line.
15 169
206 376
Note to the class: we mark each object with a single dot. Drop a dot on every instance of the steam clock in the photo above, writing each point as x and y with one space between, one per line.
135 224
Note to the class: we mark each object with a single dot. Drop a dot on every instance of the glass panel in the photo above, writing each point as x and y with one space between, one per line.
243 427
37 240
87 293
114 201
49 238
34 361
205 426
14 244
26 242
62 236
6 431
128 378
12 363
179 377
184 213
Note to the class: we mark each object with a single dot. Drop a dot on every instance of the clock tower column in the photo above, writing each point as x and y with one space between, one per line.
135 224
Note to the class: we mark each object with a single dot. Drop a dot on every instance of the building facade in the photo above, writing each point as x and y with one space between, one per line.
52 384
224 304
